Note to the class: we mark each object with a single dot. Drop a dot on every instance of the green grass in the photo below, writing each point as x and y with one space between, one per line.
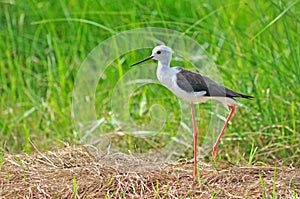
263 186
2 153
75 186
254 44
157 189
252 154
293 187
274 183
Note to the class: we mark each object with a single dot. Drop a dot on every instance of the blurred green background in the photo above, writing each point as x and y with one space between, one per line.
254 44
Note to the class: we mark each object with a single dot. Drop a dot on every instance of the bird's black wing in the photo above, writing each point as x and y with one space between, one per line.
190 81
195 82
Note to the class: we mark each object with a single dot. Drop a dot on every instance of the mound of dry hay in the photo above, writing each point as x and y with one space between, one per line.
77 171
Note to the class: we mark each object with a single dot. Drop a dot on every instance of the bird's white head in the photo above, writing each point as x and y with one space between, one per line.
161 53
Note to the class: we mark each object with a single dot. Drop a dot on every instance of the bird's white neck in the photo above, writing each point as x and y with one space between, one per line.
164 64
162 69
165 73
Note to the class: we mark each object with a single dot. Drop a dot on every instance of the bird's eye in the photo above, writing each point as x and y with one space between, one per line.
158 52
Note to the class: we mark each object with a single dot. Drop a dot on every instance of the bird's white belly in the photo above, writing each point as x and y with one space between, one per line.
199 97
193 97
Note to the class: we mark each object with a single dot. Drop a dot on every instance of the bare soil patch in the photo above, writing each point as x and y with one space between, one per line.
76 172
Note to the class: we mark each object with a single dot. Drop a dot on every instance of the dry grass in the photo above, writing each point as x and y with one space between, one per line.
78 172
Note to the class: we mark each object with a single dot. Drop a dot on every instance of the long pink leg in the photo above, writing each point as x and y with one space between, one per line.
214 153
195 139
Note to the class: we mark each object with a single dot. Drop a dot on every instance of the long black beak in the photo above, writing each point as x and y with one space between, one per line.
148 58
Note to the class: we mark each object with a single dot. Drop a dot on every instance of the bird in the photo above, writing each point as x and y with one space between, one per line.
194 88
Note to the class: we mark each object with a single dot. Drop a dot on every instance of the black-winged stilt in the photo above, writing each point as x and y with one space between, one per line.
194 88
